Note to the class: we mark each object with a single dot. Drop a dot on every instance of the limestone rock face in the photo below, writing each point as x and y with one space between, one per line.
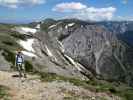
51 57
95 47
91 46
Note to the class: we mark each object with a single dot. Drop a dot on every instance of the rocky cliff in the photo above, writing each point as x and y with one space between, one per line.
95 46
77 48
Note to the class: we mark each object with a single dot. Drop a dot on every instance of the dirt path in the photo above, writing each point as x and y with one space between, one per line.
33 89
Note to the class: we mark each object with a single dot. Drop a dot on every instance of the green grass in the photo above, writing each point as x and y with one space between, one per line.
4 95
8 37
6 26
28 66
94 85
9 56
18 35
8 41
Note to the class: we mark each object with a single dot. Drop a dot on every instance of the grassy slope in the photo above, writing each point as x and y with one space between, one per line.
7 37
8 43
4 95
94 85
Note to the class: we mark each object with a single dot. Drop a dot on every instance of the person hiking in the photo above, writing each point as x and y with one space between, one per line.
19 62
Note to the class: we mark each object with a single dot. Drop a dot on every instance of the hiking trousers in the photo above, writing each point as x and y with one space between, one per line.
21 69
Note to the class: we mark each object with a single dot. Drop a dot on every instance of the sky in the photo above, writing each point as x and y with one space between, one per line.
24 11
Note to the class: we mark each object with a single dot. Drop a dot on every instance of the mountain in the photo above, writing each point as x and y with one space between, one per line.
102 48
72 48
118 27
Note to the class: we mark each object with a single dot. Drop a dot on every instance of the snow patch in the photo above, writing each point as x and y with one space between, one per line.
25 30
38 26
73 62
52 26
29 54
71 24
49 53
70 59
61 46
107 43
27 44
66 27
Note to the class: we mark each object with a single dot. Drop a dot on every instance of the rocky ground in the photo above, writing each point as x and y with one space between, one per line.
33 88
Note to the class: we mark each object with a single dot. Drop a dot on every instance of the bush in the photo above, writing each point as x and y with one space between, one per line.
8 43
128 96
9 56
28 66
19 36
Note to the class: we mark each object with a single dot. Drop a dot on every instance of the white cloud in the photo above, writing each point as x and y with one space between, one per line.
84 12
17 3
95 14
64 7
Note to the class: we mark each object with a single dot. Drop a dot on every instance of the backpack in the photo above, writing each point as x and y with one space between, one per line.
19 59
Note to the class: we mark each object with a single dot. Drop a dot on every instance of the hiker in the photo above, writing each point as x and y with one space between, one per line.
19 62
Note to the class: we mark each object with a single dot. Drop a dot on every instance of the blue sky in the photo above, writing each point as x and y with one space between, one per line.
33 10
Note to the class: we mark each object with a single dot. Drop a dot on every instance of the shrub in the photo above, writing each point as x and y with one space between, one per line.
19 36
28 66
9 56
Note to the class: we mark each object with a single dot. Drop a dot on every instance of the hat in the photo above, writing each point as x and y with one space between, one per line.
19 50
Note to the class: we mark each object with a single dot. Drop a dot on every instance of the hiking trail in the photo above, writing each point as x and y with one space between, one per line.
33 88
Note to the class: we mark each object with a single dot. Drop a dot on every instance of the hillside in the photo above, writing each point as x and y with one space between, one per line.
35 89
71 48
